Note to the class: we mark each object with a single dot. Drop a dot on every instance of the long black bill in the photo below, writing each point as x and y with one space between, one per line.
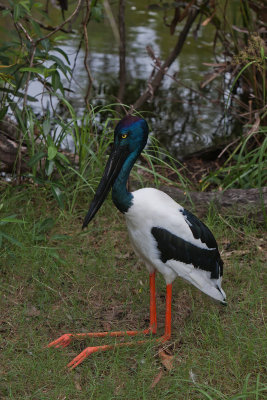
112 169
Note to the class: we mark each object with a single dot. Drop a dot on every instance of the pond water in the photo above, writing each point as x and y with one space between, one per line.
182 118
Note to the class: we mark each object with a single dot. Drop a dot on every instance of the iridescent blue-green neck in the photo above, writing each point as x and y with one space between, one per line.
120 195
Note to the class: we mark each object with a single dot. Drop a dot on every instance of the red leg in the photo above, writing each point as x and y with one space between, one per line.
66 339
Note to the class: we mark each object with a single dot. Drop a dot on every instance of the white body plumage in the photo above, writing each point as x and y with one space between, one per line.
153 208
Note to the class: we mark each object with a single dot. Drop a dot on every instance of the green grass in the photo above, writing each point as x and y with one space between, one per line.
65 280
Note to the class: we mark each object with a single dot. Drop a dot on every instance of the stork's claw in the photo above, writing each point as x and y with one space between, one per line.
63 341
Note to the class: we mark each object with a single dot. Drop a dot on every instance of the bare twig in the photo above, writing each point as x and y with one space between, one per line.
227 147
25 32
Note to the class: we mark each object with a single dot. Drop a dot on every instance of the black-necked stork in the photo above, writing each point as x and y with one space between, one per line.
167 237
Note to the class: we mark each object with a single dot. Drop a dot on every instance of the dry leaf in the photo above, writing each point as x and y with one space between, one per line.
204 23
166 360
221 65
157 379
209 78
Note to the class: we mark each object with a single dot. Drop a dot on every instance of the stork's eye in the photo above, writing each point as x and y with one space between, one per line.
124 136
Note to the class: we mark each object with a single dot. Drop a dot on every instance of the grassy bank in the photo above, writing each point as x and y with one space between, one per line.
63 280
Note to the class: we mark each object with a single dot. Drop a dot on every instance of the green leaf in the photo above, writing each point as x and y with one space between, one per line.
55 80
25 5
64 68
61 38
59 237
51 152
62 53
10 218
36 158
37 70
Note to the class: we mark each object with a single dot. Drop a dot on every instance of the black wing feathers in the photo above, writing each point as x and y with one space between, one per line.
172 247
198 229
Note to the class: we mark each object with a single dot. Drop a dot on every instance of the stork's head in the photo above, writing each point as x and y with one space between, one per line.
132 132
130 137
